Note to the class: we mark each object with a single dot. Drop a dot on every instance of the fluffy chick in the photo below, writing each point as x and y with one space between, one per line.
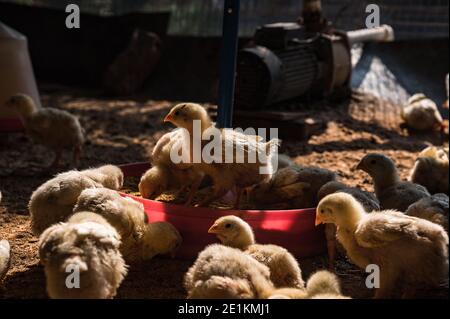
5 258
160 238
222 272
434 209
411 252
295 186
54 200
154 182
368 200
422 114
88 243
431 170
225 176
124 214
390 190
53 128
165 174
321 285
284 269
139 240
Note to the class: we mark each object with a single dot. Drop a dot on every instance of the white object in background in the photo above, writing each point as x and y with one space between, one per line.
16 71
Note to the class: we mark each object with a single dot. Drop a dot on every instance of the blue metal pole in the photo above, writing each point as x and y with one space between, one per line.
228 63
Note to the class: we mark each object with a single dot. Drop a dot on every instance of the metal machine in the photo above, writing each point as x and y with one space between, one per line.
304 58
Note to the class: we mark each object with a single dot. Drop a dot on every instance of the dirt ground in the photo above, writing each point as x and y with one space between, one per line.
125 130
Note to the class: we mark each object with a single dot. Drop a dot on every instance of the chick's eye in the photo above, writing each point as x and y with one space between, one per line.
177 113
228 226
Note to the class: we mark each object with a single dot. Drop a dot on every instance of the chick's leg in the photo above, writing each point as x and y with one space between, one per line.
387 284
218 193
77 152
330 234
237 203
193 190
57 160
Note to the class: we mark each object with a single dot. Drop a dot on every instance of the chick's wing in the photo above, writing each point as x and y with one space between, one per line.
383 228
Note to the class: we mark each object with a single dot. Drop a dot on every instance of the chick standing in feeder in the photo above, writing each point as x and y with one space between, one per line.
86 245
225 176
234 232
54 200
431 170
166 174
411 252
53 128
222 272
390 190
294 186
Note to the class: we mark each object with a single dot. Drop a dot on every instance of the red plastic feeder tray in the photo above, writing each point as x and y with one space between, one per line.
10 126
293 229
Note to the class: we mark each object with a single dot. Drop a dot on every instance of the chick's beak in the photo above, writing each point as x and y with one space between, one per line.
168 118
359 166
214 229
319 220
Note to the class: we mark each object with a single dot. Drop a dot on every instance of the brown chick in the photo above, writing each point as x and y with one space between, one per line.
225 176
434 209
284 269
222 272
368 200
54 200
86 247
53 128
295 186
431 170
422 114
5 258
411 252
390 190
321 285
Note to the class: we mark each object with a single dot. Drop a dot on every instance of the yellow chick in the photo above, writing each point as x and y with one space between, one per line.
295 186
222 272
434 209
165 174
160 238
139 240
85 248
422 114
431 170
124 214
234 232
154 182
54 200
411 252
5 258
390 190
225 176
368 200
321 285
53 128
